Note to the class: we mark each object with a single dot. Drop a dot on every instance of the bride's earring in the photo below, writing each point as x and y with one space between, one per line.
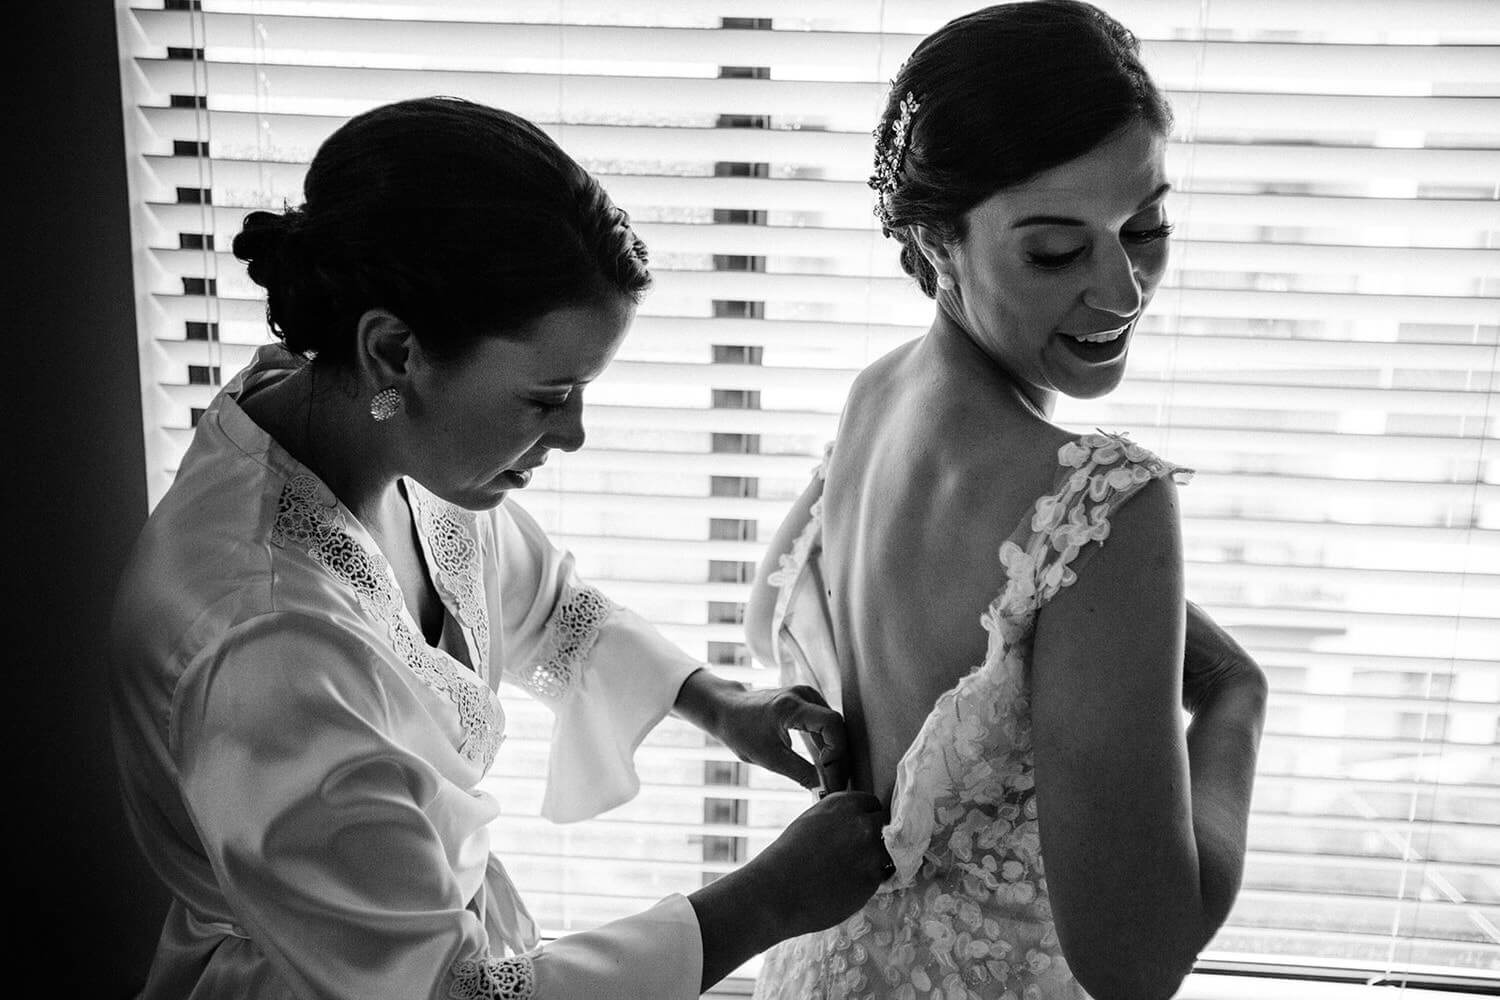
946 282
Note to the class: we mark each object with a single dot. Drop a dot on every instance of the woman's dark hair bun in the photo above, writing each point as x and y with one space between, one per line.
299 310
463 220
260 241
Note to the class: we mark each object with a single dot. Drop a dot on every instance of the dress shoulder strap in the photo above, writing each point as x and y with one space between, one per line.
1097 474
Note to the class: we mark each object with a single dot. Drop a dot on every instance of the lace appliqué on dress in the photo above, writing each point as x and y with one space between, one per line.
493 979
967 913
453 538
571 633
307 516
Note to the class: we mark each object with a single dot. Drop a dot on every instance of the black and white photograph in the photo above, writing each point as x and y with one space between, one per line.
763 499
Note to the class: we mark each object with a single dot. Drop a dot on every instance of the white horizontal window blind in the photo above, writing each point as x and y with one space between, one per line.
1323 352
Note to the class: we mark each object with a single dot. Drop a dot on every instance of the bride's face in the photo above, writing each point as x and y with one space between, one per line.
1052 275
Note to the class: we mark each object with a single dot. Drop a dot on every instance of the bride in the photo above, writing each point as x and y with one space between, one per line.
1012 684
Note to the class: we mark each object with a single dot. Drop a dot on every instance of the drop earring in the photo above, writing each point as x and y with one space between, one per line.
386 404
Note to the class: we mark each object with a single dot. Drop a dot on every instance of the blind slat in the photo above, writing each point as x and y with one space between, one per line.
239 86
1146 17
865 55
275 137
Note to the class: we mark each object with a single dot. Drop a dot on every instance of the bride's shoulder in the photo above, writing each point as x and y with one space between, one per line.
886 372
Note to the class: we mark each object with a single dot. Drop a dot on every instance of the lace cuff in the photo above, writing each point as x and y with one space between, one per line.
493 979
571 633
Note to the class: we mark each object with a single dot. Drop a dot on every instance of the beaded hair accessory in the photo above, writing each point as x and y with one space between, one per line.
890 155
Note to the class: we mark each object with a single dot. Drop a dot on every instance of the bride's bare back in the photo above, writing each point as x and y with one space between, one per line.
937 460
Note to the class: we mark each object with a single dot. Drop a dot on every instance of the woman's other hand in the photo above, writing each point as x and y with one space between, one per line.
827 862
756 724
822 868
1212 661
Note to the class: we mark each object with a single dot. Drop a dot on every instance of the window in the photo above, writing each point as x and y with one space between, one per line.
1323 351
731 309
728 654
731 529
726 850
725 772
734 444
738 354
726 612
740 217
742 170
736 399
743 121
727 571
733 486
738 262
724 812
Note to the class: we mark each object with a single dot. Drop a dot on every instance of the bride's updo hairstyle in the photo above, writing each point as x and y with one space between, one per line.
992 99
463 220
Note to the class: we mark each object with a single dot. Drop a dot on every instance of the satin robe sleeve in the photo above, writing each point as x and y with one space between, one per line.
607 675
342 851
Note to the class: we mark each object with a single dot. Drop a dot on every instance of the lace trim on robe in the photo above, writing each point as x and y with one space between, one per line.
454 541
493 979
571 633
307 516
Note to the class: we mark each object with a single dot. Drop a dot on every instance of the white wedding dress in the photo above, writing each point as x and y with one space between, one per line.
966 916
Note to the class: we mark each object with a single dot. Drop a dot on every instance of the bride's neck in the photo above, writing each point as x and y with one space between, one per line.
959 355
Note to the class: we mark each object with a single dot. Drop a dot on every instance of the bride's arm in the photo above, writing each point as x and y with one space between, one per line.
1226 691
763 594
1143 825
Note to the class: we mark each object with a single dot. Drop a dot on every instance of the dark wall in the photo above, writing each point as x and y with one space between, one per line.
88 908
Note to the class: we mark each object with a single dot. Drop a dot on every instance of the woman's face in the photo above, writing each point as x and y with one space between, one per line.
1053 274
479 426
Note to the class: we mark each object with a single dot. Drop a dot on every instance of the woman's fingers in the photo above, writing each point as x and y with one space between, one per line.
827 738
872 813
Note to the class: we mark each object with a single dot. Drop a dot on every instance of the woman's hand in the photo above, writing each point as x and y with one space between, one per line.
756 724
827 862
1212 660
822 868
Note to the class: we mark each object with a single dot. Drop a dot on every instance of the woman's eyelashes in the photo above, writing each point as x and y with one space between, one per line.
1152 235
1054 261
548 404
1135 237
